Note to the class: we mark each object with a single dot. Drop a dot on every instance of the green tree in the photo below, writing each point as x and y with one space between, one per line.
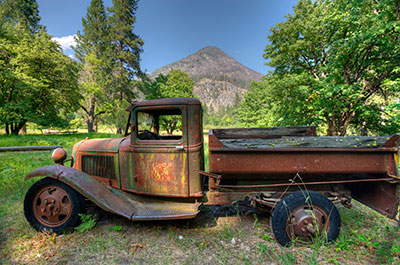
256 109
94 100
92 50
127 47
151 88
95 36
175 84
125 50
178 84
23 12
37 82
118 117
277 101
333 65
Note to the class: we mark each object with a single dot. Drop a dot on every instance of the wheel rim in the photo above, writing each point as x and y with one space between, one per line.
306 222
52 206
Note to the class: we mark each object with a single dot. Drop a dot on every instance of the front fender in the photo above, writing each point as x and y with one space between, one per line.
87 186
113 200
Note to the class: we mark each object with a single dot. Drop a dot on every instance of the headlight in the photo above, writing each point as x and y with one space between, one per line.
59 155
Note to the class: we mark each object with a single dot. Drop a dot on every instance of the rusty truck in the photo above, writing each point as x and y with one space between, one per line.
157 172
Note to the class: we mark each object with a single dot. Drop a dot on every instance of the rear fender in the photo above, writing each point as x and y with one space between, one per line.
87 186
381 196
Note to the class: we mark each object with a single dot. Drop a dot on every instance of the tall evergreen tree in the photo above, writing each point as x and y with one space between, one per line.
95 36
127 47
24 12
92 50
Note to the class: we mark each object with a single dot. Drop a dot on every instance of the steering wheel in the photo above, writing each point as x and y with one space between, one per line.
153 135
148 135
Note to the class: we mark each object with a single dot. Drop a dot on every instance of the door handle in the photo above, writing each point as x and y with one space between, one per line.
179 147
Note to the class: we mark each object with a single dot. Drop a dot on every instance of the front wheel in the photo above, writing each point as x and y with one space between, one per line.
53 206
304 215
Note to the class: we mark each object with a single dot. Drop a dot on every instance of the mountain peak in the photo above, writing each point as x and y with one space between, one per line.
219 77
210 50
211 61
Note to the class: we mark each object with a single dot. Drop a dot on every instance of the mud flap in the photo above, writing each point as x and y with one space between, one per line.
116 201
380 196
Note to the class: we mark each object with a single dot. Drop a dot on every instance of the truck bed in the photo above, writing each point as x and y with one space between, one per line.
258 158
287 150
308 142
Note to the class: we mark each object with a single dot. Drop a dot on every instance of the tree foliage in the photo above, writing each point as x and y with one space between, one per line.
95 35
256 108
174 85
93 50
23 12
178 84
110 54
334 65
225 117
126 48
118 117
94 101
37 82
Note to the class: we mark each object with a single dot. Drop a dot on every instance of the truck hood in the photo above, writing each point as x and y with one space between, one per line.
109 145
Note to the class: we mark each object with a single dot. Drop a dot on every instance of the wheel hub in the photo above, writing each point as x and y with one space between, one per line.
52 206
307 222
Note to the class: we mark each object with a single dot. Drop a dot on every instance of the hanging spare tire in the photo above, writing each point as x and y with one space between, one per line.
303 215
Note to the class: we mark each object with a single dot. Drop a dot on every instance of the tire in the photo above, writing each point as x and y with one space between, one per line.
51 205
303 215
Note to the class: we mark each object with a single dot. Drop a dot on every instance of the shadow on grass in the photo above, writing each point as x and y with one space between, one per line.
202 220
205 219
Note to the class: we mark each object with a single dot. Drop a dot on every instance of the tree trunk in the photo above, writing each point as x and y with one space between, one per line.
16 127
23 129
173 127
364 130
332 128
336 128
7 129
91 114
89 123
337 125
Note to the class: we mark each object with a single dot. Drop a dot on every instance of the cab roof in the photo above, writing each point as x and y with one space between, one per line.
164 102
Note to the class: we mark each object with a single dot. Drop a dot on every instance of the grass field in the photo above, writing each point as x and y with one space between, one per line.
366 237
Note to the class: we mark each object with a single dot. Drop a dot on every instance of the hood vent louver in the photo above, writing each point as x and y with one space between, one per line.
99 165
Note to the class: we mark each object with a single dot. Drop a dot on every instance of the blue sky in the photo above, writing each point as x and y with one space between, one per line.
174 29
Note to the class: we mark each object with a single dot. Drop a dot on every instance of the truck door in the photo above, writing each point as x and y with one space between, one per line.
160 157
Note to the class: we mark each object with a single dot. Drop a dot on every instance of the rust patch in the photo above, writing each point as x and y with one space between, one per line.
160 171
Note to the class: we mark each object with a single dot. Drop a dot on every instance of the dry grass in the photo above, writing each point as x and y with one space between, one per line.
203 240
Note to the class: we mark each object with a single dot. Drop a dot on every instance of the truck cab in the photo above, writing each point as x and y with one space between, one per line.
160 154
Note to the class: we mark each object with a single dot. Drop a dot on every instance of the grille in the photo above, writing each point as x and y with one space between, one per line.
100 166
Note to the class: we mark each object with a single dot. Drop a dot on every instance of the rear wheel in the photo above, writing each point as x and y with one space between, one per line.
53 206
304 215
